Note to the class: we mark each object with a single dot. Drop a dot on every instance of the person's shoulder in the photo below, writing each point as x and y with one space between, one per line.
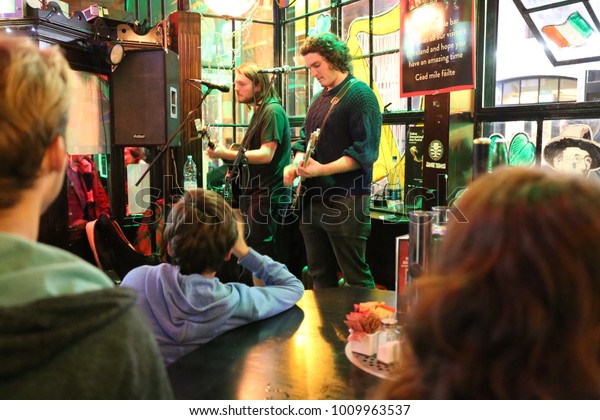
95 334
149 273
46 263
274 105
360 87
126 333
361 93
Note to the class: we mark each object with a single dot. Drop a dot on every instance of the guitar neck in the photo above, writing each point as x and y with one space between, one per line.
304 163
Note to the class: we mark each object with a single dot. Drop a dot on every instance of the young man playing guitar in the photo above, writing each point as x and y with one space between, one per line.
267 146
337 178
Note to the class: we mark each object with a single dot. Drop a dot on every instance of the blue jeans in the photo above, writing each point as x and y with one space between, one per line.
335 232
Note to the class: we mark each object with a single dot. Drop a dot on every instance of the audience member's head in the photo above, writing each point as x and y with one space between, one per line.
200 232
36 91
61 318
511 307
134 155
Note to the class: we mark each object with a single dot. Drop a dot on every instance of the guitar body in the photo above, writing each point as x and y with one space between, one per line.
236 180
225 181
310 148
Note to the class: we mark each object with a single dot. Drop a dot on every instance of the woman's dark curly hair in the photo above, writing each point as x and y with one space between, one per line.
331 48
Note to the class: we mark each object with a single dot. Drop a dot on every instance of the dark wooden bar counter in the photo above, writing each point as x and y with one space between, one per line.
299 354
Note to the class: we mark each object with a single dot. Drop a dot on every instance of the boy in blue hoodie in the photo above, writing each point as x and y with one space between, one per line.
187 305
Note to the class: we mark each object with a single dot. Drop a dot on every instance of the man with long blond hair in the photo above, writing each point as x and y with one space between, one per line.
267 145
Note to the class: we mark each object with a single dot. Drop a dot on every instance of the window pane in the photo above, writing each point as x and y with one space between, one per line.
264 10
548 90
387 81
529 91
510 93
257 44
294 91
216 108
355 27
519 55
592 85
520 138
381 6
216 48
568 90
498 98
297 9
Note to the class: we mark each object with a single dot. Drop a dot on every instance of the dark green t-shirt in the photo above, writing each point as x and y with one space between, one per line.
271 123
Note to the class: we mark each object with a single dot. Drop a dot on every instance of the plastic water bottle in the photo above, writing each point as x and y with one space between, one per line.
190 174
394 188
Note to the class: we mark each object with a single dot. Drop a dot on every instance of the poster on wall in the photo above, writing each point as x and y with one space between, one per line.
436 46
413 159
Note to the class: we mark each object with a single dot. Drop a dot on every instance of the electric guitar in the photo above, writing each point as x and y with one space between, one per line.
310 148
237 175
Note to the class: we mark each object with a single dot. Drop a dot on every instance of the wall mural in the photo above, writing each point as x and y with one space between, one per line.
574 151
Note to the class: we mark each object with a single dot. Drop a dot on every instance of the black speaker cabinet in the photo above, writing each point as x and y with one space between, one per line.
145 98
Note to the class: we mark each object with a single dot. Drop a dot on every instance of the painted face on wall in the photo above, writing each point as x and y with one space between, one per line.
573 160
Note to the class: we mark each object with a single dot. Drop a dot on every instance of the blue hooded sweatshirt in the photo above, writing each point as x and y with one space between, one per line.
186 311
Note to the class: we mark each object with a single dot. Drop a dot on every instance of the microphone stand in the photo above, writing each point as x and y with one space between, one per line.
165 146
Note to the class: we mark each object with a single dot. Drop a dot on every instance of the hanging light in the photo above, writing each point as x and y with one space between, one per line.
111 52
229 7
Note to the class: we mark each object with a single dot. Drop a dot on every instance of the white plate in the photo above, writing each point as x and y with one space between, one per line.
370 364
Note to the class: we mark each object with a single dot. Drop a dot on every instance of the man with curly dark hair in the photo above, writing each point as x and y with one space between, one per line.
337 177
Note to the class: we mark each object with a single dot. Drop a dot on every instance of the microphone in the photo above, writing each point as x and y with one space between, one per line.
277 70
210 85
